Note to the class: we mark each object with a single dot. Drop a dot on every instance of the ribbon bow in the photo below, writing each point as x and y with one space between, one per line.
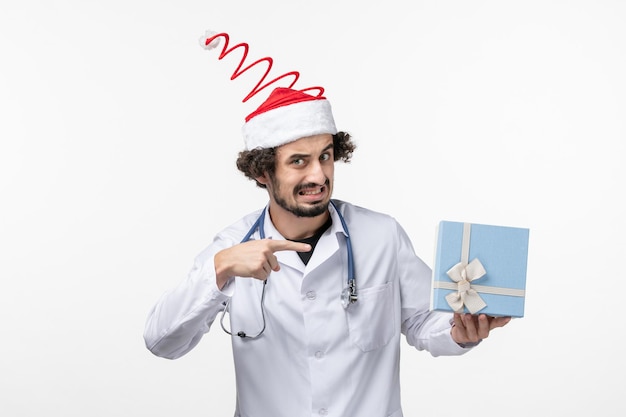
463 274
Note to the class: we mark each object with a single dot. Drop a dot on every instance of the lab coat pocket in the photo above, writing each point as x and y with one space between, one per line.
371 319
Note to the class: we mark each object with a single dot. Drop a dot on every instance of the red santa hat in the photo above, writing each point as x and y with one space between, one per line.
287 114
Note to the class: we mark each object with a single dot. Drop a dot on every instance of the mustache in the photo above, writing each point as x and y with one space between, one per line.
311 185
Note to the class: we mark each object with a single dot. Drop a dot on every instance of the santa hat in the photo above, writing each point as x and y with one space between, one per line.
287 114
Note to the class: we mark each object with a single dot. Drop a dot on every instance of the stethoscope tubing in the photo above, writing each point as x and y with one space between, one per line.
350 291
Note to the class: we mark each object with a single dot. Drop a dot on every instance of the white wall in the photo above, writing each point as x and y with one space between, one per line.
118 136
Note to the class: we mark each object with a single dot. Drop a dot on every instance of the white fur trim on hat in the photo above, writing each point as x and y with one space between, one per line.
289 123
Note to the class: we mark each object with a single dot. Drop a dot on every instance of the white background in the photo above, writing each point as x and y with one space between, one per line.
118 136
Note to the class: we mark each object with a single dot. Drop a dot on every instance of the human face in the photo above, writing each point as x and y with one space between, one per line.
303 179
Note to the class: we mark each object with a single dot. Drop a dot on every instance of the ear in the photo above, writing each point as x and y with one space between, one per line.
264 179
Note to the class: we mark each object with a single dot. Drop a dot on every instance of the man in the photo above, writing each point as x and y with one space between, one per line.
308 340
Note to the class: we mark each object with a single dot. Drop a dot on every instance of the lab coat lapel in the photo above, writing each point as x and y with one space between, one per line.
286 257
328 243
325 248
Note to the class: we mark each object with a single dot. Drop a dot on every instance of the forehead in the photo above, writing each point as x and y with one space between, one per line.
308 145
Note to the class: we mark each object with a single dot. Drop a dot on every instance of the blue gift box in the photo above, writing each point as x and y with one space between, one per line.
480 269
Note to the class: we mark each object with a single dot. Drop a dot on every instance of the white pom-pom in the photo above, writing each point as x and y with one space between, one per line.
213 44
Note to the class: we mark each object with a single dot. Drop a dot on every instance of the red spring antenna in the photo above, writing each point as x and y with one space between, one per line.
211 40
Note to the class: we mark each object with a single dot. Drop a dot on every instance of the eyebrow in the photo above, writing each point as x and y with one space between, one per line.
304 155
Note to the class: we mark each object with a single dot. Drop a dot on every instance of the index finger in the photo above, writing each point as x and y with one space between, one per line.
278 245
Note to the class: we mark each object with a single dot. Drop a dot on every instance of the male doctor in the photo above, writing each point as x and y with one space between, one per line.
308 339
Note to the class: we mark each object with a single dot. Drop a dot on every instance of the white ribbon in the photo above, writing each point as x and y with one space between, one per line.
463 274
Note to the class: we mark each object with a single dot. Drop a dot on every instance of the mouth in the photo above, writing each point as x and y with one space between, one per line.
312 191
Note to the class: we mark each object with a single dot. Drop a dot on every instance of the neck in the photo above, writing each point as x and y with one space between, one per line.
293 227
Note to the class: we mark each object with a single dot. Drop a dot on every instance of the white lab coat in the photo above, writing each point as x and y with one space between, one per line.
315 357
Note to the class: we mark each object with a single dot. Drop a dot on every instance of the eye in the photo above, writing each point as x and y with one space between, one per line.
298 162
325 157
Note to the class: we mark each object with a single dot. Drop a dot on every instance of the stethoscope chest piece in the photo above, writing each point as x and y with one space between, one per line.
348 295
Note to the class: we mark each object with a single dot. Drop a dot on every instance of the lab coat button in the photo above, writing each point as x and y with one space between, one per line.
323 412
319 354
311 295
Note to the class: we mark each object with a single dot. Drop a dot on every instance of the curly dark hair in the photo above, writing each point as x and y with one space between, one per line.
256 162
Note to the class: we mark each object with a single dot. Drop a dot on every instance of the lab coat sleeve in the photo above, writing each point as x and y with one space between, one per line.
423 329
184 314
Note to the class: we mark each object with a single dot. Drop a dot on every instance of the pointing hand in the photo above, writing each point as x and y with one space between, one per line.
254 258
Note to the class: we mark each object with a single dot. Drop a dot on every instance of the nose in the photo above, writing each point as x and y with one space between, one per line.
315 173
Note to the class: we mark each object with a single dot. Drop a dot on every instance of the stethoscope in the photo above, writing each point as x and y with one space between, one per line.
348 295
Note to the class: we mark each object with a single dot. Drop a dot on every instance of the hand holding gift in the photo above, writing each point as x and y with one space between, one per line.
468 329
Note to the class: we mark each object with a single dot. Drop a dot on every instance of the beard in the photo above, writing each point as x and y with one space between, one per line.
309 210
